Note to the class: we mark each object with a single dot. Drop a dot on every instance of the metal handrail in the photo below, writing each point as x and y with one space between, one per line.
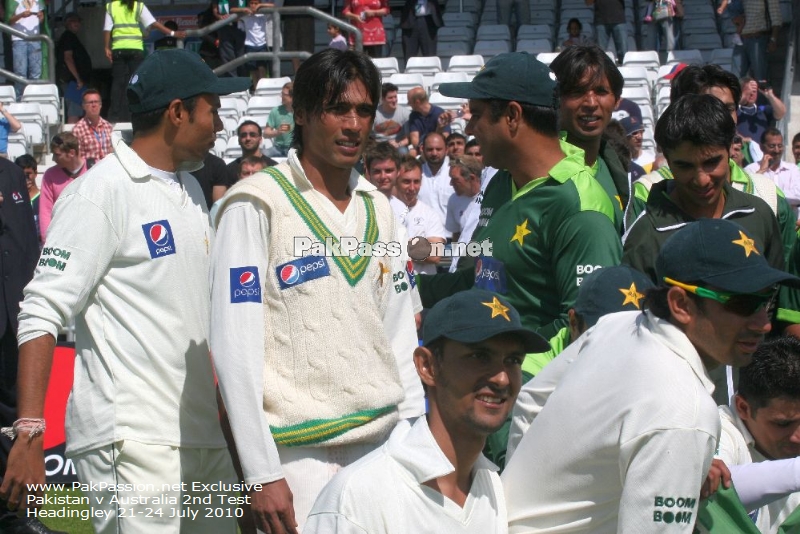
788 77
275 54
51 63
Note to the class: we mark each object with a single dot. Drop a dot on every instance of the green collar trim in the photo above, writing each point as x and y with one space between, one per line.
353 268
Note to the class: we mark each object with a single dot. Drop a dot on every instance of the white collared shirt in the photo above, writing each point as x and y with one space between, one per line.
384 492
786 176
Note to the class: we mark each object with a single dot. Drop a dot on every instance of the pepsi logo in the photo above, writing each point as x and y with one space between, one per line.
290 274
478 266
159 234
247 279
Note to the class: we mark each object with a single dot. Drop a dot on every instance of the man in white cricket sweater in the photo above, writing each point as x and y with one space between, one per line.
430 476
127 255
312 323
625 441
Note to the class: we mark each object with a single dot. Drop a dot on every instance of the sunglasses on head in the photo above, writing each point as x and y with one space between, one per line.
742 304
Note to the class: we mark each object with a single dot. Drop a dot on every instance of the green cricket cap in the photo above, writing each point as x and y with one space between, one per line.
609 290
166 75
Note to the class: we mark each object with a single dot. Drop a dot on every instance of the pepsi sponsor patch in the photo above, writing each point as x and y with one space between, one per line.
245 286
410 273
490 274
159 239
302 270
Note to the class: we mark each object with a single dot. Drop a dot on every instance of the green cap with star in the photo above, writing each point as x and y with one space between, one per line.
476 315
720 254
609 290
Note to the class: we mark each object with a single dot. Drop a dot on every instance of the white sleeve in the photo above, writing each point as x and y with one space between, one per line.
331 523
534 394
452 222
146 18
434 226
398 321
108 25
662 472
237 337
72 263
760 483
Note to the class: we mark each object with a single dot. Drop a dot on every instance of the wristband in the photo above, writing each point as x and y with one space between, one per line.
172 33
34 427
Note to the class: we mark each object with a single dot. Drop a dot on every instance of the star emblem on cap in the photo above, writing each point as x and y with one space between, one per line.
632 295
746 243
497 309
521 232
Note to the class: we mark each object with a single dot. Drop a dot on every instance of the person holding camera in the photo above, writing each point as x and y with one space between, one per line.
756 114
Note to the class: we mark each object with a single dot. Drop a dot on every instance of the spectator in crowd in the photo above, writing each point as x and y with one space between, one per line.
608 290
249 135
257 36
436 189
465 178
420 21
522 9
424 117
367 16
759 433
167 41
634 130
213 178
140 277
124 47
8 124
762 27
93 131
251 165
69 164
591 86
210 43
616 137
576 37
754 118
231 37
618 471
337 39
391 119
418 218
299 31
31 170
382 167
27 18
736 151
280 124
785 175
609 21
73 66
258 356
434 462
20 250
796 148
473 148
551 223
456 143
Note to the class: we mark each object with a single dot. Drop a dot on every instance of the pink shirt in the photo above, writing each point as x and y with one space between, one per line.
54 181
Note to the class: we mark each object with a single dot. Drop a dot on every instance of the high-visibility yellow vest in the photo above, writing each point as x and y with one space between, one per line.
126 33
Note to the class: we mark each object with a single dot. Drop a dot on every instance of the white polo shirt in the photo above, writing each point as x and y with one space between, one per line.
786 176
384 492
419 221
625 441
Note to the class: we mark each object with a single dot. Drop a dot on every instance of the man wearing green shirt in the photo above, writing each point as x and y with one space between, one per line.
549 221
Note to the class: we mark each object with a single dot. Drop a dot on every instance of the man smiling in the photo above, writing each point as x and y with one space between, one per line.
430 476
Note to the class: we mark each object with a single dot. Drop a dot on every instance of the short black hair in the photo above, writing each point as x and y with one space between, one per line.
770 132
575 21
147 121
616 137
474 142
571 66
774 373
323 79
248 123
702 120
26 161
540 118
456 135
387 88
796 138
694 79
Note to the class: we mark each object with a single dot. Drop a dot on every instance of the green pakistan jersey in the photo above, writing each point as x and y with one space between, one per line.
545 237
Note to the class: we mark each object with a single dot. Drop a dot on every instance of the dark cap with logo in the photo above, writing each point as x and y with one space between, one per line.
631 124
516 76
719 254
166 75
609 290
476 315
